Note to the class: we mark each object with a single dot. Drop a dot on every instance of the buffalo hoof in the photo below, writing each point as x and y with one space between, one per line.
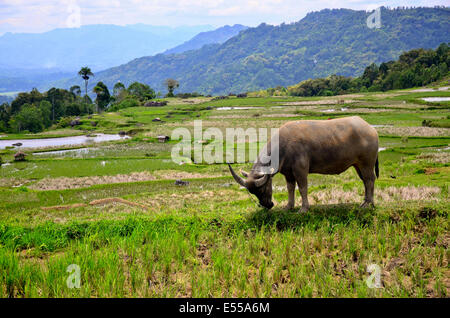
288 207
304 209
366 204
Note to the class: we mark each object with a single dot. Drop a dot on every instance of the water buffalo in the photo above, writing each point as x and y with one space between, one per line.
317 146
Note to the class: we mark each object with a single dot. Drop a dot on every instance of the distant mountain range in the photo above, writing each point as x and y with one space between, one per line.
99 46
336 41
29 59
219 35
34 60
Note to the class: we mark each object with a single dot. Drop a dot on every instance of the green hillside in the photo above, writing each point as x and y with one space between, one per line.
323 43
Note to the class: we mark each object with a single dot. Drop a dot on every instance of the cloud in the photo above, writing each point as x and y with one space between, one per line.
42 15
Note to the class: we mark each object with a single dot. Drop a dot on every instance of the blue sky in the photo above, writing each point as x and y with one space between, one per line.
44 15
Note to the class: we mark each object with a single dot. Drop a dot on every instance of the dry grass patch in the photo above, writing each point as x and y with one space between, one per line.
258 115
64 183
429 171
435 157
390 194
179 200
414 131
118 200
11 182
364 110
83 182
408 193
188 101
175 174
322 102
63 207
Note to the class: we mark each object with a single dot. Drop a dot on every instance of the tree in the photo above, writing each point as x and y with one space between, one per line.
26 98
118 88
59 98
103 96
141 91
85 74
119 93
5 116
28 118
171 86
46 109
369 75
76 90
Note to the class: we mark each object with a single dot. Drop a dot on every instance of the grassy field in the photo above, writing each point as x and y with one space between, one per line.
113 209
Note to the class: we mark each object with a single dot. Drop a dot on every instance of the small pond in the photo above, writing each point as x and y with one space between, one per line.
59 142
436 99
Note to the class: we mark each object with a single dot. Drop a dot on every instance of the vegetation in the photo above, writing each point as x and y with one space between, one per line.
171 85
140 91
414 68
35 111
114 210
219 35
85 73
323 43
103 96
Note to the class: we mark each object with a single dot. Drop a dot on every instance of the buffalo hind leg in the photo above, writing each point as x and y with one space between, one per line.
367 175
302 181
291 194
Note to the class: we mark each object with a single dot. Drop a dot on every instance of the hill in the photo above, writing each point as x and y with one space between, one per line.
99 46
28 60
219 35
326 42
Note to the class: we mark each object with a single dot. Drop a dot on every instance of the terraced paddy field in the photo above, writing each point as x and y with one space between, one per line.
113 208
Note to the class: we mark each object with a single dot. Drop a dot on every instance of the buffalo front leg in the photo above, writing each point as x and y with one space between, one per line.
291 194
302 181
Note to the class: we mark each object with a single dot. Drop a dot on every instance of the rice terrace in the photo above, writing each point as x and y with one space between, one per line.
114 209
305 159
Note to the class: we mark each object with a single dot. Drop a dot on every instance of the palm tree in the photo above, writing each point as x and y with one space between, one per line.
85 72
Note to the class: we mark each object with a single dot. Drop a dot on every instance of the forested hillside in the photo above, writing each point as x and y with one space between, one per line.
413 68
323 43
219 35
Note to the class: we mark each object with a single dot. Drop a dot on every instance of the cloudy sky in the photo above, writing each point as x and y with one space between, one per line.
44 15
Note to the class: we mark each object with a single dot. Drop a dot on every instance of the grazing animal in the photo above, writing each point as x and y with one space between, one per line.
316 146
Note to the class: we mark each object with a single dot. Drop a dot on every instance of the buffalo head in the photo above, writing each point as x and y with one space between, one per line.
257 183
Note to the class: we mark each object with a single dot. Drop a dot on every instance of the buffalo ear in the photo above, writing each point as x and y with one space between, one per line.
262 181
245 174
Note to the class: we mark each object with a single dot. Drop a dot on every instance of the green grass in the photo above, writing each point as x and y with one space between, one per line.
263 254
208 239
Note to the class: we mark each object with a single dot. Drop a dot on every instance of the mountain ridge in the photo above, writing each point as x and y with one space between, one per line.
219 36
330 41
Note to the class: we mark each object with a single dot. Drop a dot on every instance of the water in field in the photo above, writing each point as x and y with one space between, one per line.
58 142
235 108
436 99
431 89
75 153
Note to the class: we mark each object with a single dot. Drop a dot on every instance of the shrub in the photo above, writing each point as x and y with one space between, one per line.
126 103
29 118
64 122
